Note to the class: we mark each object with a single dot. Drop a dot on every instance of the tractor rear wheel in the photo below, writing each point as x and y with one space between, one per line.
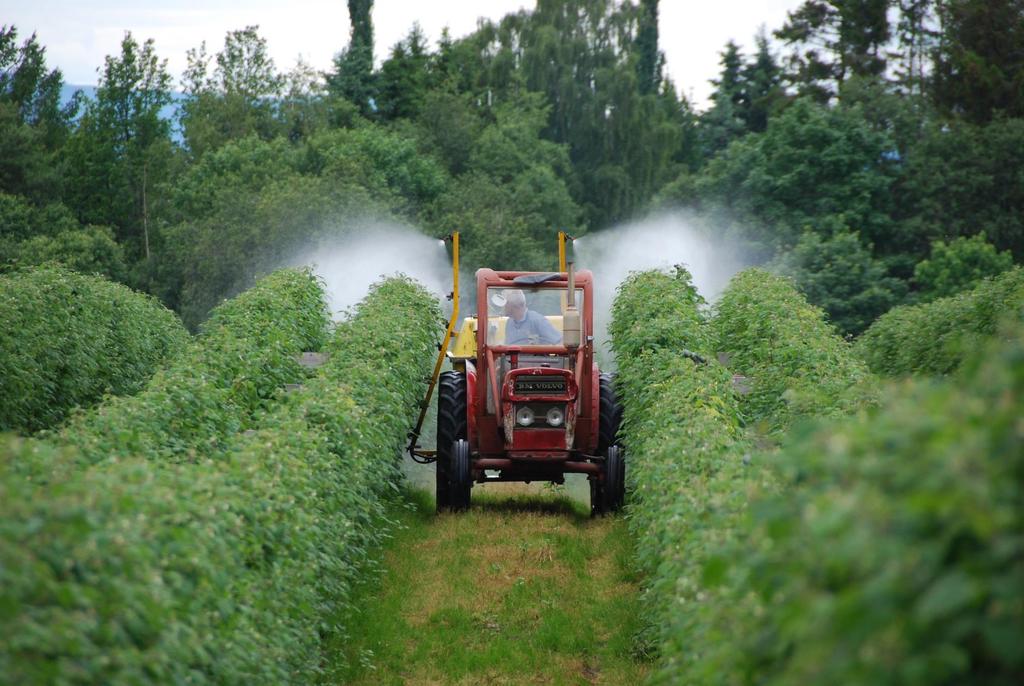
610 411
614 479
596 497
607 495
460 476
451 426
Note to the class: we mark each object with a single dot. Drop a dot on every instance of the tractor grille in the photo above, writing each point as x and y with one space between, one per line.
540 385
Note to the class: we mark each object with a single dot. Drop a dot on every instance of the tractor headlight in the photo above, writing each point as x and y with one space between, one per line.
524 416
555 416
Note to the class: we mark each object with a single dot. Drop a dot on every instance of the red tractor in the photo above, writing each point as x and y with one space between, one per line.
525 400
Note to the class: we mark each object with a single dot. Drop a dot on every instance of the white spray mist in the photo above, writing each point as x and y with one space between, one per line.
358 256
659 241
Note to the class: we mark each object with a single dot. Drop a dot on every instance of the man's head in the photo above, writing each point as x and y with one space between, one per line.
515 304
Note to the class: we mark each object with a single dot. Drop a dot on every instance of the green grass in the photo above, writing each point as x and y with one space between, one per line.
523 588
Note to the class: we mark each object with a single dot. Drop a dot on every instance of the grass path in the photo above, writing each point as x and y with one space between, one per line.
522 589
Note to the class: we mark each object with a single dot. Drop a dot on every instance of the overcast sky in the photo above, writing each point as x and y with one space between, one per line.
78 34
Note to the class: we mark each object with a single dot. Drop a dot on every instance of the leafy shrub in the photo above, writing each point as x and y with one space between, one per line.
236 368
681 430
892 555
69 338
959 265
690 466
880 548
838 274
934 338
227 570
655 310
89 250
795 362
32 235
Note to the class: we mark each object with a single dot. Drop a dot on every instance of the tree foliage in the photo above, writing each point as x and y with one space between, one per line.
835 40
979 67
34 125
839 274
32 235
237 99
32 89
120 152
353 77
958 266
964 179
813 166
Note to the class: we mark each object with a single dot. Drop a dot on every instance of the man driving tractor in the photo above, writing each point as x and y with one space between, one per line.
525 326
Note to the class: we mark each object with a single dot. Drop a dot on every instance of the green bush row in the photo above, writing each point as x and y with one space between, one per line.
882 547
934 338
236 368
67 339
231 570
655 310
692 468
682 431
795 363
893 551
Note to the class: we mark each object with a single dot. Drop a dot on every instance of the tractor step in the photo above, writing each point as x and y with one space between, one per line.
311 360
743 385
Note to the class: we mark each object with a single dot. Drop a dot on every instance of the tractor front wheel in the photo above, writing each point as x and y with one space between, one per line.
460 477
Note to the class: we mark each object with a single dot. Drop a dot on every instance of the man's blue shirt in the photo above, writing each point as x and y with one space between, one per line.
534 329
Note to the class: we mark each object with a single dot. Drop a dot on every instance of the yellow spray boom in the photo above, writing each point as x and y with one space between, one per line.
414 435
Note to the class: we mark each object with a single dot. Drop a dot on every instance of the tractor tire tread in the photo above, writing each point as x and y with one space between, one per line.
610 411
451 426
460 476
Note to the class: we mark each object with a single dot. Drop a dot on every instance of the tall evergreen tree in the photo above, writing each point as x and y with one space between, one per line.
649 59
834 40
725 121
979 62
916 31
402 81
352 78
33 124
762 86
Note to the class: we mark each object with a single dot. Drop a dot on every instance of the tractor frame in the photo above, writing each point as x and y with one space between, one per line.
528 411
